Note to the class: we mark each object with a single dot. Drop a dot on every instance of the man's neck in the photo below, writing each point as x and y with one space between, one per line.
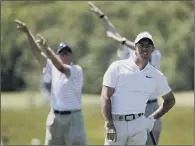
140 62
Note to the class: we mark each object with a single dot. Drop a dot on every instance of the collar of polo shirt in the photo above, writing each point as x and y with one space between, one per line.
132 61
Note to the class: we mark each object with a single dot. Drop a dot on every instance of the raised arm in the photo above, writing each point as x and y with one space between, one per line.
54 58
109 28
33 45
120 40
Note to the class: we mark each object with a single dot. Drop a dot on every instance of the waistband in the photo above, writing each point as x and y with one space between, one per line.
129 117
65 112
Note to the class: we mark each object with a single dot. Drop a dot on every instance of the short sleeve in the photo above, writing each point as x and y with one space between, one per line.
74 69
111 76
76 73
48 68
162 85
123 52
47 71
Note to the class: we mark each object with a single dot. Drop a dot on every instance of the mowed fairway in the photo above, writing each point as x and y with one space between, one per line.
21 123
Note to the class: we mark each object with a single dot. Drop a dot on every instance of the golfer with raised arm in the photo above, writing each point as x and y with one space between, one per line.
65 124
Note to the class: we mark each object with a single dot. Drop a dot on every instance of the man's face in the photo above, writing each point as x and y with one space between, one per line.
144 49
66 57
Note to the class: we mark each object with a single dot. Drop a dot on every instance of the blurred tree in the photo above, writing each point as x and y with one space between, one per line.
171 24
10 79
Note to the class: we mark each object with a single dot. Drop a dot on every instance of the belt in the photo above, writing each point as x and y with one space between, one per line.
152 101
64 112
126 117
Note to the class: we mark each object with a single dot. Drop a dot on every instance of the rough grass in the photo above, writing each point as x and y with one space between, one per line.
23 124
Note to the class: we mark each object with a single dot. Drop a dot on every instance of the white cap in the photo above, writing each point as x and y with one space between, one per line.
143 35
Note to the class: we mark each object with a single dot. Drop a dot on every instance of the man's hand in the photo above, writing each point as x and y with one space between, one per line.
52 55
33 45
110 133
21 26
95 9
42 43
115 37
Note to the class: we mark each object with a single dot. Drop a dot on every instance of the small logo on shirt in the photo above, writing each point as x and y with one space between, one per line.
148 77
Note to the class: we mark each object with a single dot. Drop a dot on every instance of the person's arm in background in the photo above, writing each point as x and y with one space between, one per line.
110 29
66 69
40 47
42 58
156 59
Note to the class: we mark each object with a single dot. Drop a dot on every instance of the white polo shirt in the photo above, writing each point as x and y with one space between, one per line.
126 52
132 86
65 92
155 62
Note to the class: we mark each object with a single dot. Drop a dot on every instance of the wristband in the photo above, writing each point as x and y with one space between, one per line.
123 42
102 16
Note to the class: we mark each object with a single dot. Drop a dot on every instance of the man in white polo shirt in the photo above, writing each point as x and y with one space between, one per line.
152 104
65 124
127 86
125 52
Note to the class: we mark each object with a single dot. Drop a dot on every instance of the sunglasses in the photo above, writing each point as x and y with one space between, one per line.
148 46
65 51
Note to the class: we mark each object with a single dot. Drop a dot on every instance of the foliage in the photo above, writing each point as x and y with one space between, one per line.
171 24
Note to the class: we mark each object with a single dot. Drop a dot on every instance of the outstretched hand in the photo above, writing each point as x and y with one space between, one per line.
115 37
95 9
42 43
21 26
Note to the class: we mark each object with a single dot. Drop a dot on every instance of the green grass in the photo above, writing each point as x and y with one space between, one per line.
23 124
21 99
178 126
